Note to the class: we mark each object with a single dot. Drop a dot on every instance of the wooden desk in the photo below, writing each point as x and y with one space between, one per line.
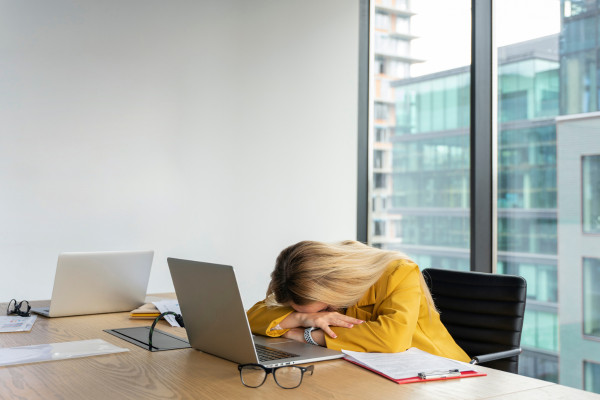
191 374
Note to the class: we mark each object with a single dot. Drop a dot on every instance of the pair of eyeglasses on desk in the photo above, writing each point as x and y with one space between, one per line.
287 377
17 308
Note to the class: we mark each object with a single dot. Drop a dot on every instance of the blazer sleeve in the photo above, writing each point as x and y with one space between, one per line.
395 320
262 318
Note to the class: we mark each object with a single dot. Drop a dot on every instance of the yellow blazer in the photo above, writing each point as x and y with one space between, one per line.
395 313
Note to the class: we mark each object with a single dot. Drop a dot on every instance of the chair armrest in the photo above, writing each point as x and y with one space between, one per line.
495 356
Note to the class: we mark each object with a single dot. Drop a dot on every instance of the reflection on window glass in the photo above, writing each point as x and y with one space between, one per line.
541 365
591 296
382 20
527 229
591 193
592 376
524 233
540 330
541 278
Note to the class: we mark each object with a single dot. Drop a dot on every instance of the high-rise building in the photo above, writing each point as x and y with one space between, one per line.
430 197
578 150
392 40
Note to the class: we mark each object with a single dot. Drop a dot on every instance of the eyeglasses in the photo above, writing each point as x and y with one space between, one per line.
15 308
287 377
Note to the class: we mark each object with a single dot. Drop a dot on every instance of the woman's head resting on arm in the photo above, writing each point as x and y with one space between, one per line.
315 276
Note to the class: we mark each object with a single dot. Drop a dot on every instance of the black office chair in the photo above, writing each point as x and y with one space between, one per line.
483 313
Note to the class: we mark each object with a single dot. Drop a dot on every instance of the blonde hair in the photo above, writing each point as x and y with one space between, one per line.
337 274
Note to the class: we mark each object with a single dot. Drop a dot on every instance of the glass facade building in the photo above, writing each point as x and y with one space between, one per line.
430 173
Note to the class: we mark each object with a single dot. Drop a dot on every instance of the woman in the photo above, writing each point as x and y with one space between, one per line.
354 297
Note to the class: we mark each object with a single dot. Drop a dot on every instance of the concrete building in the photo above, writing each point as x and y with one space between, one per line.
578 151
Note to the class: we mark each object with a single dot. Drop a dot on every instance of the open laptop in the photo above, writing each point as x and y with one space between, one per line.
216 322
99 282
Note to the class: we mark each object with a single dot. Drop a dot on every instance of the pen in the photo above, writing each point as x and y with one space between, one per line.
439 374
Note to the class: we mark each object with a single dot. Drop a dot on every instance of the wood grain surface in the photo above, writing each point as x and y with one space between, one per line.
191 374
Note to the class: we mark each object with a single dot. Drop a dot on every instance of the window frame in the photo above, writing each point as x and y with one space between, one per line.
586 336
583 231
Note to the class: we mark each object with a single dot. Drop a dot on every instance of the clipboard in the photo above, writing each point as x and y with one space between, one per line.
428 377
411 366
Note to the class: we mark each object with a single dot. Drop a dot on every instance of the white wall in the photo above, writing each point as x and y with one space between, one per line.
219 130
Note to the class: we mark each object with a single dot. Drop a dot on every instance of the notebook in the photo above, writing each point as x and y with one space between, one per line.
98 282
216 322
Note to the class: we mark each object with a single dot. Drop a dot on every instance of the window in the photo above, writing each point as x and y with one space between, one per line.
382 20
548 119
381 111
379 65
380 180
541 278
391 46
403 25
420 156
541 332
379 228
591 193
591 376
541 365
529 96
381 134
591 297
378 161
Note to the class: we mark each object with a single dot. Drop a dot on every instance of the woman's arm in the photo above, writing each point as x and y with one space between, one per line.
275 320
323 320
396 317
264 320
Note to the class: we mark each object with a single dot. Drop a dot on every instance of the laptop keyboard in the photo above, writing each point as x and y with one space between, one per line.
268 353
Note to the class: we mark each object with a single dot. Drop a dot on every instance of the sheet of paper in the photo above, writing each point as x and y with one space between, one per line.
13 323
168 305
407 364
56 351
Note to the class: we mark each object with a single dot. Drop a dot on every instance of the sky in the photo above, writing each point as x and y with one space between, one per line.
444 29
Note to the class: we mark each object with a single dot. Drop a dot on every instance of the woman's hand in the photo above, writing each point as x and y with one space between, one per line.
321 319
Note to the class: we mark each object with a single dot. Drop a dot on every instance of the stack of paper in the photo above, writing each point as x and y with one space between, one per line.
154 309
166 306
12 323
147 311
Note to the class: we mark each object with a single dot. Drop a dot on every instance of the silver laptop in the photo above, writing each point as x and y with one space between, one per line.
216 322
100 282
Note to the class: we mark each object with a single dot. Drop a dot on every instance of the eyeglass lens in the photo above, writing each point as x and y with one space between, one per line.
253 375
288 377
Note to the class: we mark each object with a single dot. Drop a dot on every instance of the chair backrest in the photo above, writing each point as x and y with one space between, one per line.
483 312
